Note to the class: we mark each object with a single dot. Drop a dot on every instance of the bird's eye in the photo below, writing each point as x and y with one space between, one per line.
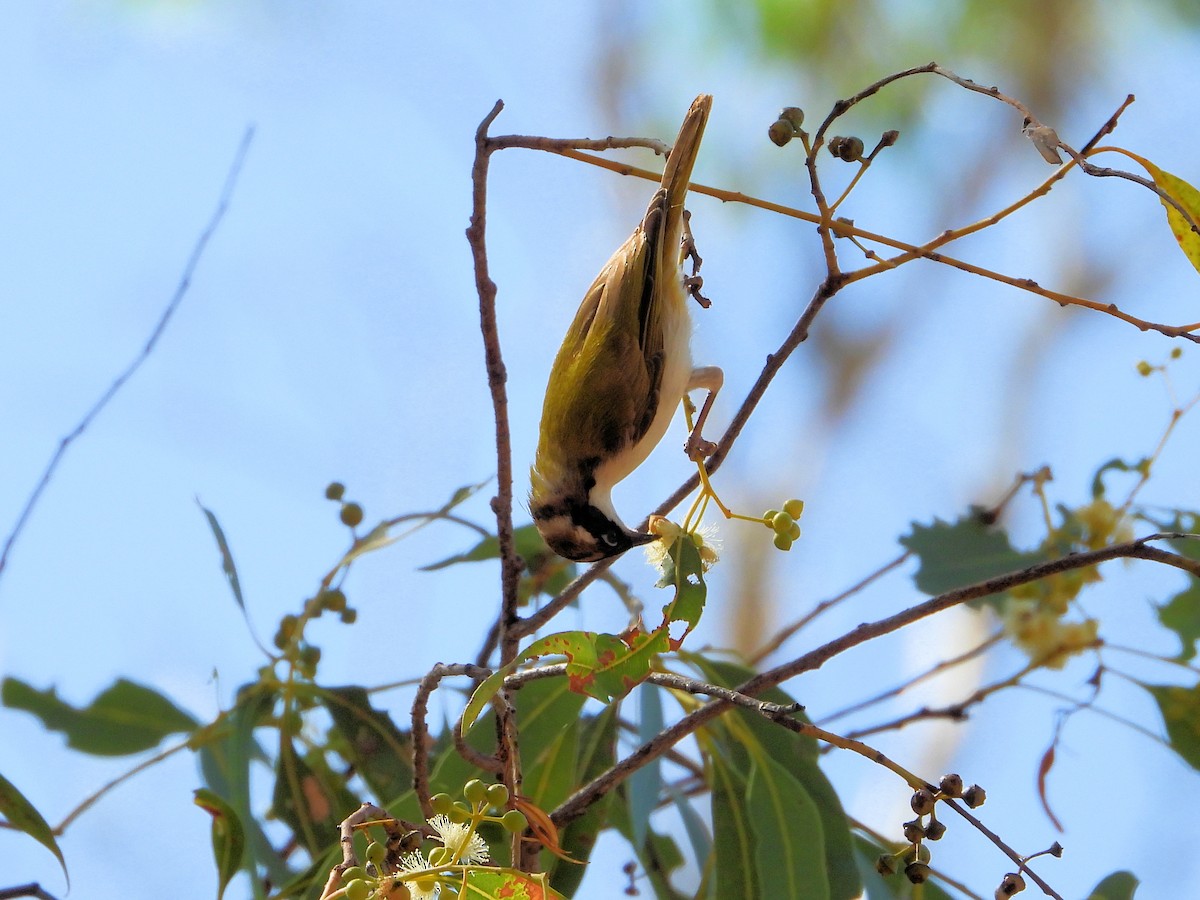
609 538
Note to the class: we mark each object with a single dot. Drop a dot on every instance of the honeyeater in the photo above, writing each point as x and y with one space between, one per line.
621 372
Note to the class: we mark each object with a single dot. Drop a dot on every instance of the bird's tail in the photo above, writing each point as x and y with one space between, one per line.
678 171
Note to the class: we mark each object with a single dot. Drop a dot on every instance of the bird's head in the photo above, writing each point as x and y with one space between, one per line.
579 529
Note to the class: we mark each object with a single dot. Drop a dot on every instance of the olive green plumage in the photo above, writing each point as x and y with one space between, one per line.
620 373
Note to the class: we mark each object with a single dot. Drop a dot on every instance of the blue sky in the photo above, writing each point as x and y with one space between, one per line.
331 333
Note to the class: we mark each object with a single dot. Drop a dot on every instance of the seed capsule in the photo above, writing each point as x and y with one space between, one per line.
917 872
1012 884
952 785
780 132
974 796
922 801
793 115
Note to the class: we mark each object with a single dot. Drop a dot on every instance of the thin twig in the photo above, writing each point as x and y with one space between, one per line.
89 801
942 666
181 290
1105 172
497 376
511 565
33 889
420 726
782 715
560 145
824 606
1004 848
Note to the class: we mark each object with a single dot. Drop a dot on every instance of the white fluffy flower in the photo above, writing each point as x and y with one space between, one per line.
467 846
418 888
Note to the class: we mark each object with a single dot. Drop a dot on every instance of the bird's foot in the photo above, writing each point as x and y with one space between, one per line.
698 449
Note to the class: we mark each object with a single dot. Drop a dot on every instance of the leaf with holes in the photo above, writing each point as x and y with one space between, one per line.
683 569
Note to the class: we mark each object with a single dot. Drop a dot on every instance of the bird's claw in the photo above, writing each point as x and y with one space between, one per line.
698 449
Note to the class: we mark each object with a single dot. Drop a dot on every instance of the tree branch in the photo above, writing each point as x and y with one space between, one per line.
181 289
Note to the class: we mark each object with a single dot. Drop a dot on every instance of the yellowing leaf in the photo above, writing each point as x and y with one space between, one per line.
1185 195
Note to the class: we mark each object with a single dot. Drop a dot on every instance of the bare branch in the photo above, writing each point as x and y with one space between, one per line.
181 290
421 739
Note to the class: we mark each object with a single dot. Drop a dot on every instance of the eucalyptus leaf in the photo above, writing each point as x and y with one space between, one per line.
125 717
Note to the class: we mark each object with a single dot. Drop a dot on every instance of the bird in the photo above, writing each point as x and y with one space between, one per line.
623 369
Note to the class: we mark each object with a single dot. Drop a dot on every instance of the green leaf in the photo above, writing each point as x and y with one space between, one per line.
1117 886
507 884
228 838
735 871
545 709
227 749
546 572
126 718
552 779
227 565
488 688
683 570
798 755
463 494
695 827
788 838
646 783
604 666
371 742
23 816
1180 709
597 753
954 555
1181 614
527 541
309 797
488 548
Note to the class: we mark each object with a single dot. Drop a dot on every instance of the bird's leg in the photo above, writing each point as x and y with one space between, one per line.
697 448
692 283
710 378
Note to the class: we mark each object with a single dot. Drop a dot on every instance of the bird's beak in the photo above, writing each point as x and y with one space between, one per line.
637 538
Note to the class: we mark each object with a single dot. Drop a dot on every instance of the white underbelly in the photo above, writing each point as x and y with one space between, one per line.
677 371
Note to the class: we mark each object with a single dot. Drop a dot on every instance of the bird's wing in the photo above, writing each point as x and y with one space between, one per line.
612 359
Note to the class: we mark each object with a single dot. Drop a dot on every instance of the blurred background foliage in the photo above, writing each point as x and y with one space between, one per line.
918 392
